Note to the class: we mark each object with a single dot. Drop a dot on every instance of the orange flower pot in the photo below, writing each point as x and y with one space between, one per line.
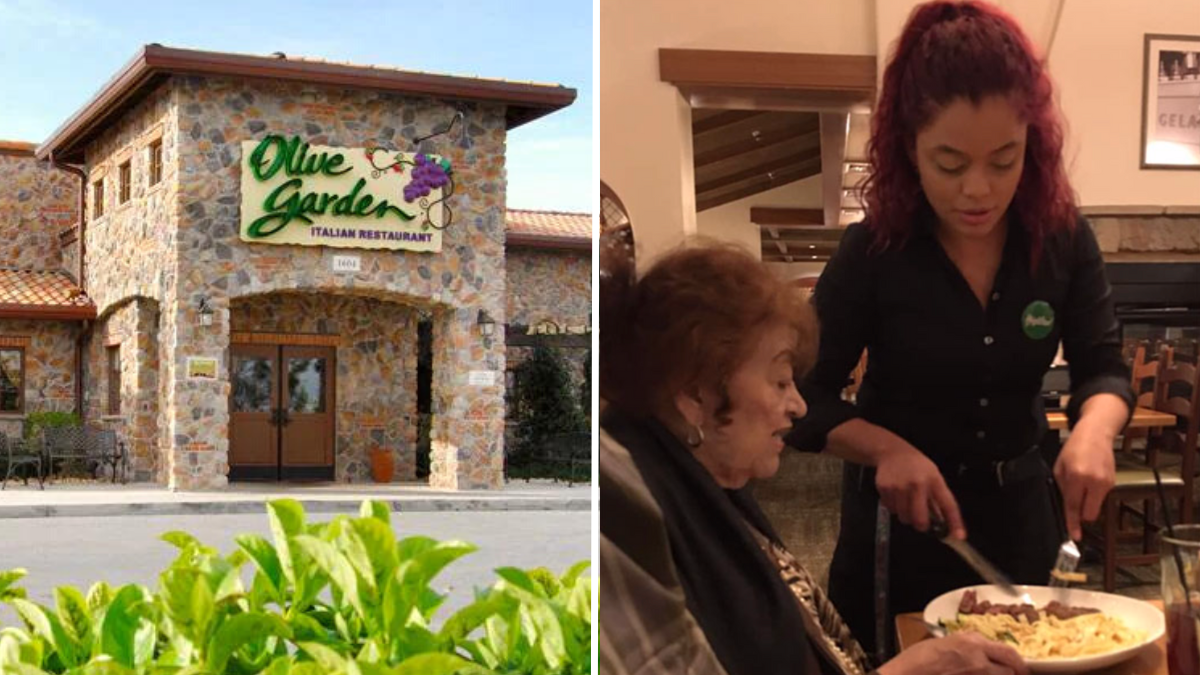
383 465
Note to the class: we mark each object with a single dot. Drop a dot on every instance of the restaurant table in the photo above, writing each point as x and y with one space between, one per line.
1143 418
1151 660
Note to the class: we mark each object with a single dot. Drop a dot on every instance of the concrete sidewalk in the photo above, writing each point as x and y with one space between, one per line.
76 500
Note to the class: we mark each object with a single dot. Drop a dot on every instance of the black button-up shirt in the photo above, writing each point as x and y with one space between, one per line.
960 382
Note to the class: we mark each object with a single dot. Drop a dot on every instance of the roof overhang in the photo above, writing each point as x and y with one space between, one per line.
155 63
17 148
46 313
546 241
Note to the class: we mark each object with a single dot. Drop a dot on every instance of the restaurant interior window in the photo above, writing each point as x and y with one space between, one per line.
124 176
114 380
98 198
12 380
156 161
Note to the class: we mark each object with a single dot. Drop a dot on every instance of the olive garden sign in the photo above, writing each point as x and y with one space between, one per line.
315 195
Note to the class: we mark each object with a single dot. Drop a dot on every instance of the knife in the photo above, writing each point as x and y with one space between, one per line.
987 570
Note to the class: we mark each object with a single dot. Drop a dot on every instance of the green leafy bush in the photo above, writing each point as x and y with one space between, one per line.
343 597
549 415
36 421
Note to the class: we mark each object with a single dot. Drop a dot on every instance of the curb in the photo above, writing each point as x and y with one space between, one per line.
311 506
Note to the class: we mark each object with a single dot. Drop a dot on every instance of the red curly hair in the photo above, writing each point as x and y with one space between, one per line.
950 50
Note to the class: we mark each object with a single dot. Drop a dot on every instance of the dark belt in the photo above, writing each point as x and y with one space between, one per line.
1024 467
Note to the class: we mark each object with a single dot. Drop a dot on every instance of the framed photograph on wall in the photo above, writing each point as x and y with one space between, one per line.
1171 102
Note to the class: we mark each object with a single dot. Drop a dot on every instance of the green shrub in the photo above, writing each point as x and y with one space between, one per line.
548 404
342 597
36 421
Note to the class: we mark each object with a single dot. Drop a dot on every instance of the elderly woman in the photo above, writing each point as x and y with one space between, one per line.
697 365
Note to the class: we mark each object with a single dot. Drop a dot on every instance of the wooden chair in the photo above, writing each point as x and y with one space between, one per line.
1145 385
1144 381
1137 483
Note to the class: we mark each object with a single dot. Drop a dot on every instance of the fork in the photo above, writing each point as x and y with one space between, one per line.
1067 562
1068 552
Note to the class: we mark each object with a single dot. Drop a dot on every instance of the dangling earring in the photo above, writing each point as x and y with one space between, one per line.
695 436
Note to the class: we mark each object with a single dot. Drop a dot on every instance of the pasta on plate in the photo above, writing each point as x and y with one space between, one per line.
1050 637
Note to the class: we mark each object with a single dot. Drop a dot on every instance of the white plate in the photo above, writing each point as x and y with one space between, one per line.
1136 614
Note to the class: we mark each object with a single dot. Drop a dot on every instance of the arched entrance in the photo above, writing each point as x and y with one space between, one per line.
318 381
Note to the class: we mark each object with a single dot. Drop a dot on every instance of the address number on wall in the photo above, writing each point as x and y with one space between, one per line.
347 263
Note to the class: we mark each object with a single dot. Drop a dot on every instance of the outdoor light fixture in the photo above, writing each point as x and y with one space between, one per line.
486 324
206 312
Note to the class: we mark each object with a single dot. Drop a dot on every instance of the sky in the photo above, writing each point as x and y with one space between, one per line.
56 54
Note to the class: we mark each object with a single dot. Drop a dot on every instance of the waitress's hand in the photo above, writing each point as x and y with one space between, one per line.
909 483
958 654
1085 471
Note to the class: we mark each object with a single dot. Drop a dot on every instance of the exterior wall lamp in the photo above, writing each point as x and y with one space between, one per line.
206 312
486 323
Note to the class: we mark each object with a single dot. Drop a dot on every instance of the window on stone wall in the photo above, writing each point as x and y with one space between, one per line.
156 161
114 380
125 176
12 380
98 198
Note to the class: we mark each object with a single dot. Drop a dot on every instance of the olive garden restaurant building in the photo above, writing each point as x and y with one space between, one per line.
236 262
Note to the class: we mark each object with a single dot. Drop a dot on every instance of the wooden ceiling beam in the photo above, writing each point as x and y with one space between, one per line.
806 133
769 215
723 119
708 200
781 71
781 164
808 235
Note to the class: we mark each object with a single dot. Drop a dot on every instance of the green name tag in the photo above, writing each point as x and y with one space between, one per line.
1038 319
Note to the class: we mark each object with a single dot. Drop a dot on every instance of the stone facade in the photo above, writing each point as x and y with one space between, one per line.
376 384
37 202
49 368
177 242
130 255
549 284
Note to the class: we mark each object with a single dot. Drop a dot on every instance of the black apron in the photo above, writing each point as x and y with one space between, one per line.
1012 513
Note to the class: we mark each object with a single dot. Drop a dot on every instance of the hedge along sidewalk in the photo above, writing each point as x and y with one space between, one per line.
73 501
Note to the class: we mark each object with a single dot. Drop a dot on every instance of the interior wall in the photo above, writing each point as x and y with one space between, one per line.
645 125
731 222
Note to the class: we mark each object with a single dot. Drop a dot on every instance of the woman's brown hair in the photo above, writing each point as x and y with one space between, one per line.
689 322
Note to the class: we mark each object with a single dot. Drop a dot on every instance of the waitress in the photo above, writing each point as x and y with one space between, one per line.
970 268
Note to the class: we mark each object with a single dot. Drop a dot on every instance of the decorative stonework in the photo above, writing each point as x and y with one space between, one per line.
376 386
49 368
1146 231
37 202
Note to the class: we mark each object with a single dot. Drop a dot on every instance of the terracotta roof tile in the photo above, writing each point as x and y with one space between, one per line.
550 226
16 147
34 293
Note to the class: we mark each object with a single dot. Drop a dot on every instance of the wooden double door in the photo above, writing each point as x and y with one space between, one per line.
281 407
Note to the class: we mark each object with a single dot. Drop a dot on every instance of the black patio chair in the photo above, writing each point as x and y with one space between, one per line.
18 453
